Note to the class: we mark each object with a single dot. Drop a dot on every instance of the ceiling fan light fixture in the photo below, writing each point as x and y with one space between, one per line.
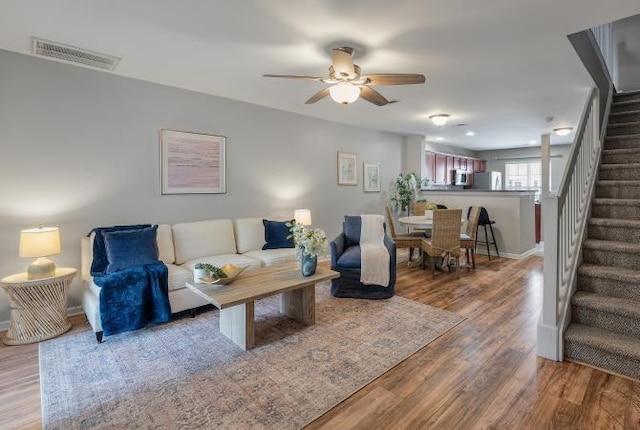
440 119
562 131
344 93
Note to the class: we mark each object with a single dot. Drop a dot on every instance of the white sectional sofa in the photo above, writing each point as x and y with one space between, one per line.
181 247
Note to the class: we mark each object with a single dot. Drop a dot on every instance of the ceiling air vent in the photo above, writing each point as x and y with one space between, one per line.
60 51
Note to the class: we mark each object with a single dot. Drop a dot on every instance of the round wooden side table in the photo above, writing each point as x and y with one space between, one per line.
38 307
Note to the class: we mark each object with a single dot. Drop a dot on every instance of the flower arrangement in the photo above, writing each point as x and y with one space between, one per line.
405 188
309 242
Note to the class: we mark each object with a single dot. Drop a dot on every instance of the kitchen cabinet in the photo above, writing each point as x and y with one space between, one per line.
438 166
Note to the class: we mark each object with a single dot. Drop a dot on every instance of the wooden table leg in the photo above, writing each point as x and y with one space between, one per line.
300 304
237 324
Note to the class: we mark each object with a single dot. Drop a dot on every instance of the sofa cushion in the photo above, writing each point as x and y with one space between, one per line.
165 244
269 257
199 239
178 277
130 248
350 258
249 234
222 259
276 235
352 227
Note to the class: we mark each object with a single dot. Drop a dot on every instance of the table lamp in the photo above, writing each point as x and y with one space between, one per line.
40 243
302 216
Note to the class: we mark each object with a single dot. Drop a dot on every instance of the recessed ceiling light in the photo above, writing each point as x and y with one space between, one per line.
439 138
562 131
532 142
440 119
470 133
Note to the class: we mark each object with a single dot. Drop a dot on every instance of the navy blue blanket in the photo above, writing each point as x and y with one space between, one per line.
134 298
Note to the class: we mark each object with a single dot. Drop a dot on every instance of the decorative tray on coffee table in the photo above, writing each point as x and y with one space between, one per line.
230 270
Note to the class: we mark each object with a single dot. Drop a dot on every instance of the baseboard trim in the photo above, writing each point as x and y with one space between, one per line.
71 311
525 254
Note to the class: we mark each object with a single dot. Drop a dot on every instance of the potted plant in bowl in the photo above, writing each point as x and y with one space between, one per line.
309 244
206 270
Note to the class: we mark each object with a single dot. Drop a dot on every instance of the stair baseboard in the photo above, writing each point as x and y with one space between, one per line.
603 349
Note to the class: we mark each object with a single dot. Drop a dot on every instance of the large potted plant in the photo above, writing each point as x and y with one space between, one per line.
404 191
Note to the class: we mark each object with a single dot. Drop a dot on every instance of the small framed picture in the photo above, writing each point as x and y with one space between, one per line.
192 163
371 177
347 171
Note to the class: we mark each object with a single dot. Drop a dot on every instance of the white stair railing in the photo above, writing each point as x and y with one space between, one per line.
565 215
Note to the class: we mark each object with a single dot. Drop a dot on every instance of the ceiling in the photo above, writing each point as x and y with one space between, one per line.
499 66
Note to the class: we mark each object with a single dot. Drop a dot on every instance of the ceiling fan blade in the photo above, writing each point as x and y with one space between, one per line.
318 96
308 78
342 62
395 79
372 96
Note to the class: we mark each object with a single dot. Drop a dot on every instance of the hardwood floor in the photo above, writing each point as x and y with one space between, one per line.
482 374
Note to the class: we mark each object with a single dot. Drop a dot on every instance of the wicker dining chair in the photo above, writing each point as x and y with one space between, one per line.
445 238
419 208
468 238
411 241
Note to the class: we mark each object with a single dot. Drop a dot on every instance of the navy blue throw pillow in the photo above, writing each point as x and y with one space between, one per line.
352 227
275 234
100 261
130 248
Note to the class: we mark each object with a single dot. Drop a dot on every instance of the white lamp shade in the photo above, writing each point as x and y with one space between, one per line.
39 242
563 131
439 119
344 93
302 216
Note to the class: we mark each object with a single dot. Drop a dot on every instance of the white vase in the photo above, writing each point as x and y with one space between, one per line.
428 214
200 273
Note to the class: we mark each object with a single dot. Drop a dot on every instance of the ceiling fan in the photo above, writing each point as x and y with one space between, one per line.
347 82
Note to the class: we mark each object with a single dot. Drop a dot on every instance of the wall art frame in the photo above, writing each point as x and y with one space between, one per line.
347 168
193 163
371 177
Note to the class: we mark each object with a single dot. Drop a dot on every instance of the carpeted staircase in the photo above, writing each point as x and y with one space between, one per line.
605 327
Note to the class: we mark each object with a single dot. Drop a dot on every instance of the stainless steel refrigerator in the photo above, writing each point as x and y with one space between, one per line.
487 181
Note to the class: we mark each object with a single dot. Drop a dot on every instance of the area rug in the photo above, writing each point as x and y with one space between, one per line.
185 374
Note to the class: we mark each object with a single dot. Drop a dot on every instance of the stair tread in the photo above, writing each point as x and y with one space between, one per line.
629 112
615 222
616 166
623 124
621 151
609 272
627 93
623 136
612 305
612 245
616 202
606 340
622 182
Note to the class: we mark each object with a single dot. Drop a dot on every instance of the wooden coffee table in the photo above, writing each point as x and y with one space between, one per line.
236 300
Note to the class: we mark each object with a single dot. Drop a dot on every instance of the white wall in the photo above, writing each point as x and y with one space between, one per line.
80 150
497 159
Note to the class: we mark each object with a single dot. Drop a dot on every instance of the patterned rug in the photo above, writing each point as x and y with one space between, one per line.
185 374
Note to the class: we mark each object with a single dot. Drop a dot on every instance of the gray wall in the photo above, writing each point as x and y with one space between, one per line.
497 159
626 37
80 149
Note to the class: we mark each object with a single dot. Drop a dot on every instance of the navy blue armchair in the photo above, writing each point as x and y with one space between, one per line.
345 258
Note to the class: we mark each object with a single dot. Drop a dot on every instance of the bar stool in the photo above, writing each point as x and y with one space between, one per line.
484 221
